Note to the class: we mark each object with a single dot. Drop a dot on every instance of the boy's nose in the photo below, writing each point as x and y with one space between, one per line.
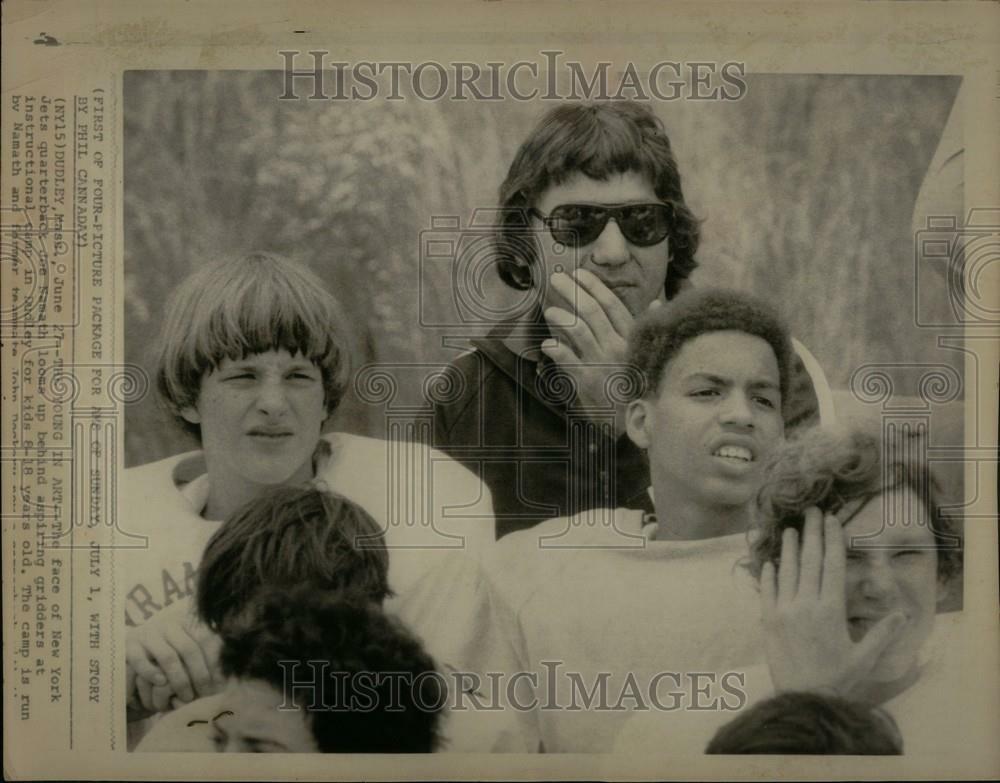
272 399
737 409
877 579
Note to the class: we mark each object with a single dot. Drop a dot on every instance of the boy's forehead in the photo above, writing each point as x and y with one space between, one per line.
894 514
721 352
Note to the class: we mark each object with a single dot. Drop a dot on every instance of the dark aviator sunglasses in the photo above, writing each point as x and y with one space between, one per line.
576 225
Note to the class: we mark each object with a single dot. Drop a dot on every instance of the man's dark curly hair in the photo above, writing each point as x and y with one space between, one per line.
382 692
829 470
811 724
286 536
598 140
659 334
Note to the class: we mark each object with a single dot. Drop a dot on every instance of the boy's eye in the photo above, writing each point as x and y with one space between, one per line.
765 401
705 393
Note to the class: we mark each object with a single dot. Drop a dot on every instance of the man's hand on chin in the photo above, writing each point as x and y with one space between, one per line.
590 334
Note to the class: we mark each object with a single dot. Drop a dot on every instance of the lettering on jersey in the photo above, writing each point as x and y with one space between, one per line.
147 598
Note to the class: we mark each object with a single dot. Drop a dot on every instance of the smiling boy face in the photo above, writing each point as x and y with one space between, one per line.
892 568
714 420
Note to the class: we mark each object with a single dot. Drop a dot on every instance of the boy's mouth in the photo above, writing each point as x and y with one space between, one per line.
735 453
269 434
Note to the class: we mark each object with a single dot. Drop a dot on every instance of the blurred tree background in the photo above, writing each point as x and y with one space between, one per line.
806 186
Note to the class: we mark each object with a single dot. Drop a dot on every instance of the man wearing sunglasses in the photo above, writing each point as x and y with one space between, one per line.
594 224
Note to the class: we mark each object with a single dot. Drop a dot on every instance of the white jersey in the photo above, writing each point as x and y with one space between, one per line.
607 619
437 518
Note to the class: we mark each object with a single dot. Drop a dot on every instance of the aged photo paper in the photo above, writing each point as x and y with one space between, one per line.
420 234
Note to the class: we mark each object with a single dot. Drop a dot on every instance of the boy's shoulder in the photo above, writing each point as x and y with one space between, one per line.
362 452
524 562
161 484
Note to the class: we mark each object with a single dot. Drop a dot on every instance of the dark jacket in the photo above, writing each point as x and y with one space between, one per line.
519 429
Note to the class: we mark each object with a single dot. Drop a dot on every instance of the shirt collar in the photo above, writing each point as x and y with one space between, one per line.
195 490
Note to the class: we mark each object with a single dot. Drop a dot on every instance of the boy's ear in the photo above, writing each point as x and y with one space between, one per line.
638 422
191 415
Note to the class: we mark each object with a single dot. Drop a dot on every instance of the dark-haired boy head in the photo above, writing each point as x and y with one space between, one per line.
299 574
713 372
287 536
292 536
375 691
662 593
809 723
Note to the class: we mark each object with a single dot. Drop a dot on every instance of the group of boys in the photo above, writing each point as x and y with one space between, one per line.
615 513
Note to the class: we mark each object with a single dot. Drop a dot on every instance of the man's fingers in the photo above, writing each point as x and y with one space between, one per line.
582 305
564 287
617 313
811 568
560 352
573 329
788 571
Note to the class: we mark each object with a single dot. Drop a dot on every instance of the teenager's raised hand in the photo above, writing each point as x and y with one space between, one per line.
804 613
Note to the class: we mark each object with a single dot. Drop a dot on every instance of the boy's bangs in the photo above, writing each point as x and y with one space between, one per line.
257 323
